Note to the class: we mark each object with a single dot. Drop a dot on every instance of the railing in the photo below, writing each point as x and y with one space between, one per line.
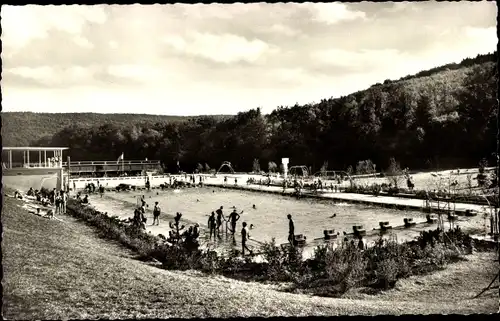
5 165
131 162
104 179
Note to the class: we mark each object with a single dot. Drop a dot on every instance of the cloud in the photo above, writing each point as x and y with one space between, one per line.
21 24
190 56
225 48
333 13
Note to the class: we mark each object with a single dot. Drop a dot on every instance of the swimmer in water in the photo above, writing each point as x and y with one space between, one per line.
334 215
251 226
254 207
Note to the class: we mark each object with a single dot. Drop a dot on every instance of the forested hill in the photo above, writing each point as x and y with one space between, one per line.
25 128
441 118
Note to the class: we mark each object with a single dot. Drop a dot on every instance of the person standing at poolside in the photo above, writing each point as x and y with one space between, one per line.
291 230
156 214
57 202
220 218
244 237
211 226
233 218
64 197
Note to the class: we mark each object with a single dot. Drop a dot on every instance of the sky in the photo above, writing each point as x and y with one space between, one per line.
199 59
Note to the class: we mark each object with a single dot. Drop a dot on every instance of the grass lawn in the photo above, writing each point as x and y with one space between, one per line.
59 270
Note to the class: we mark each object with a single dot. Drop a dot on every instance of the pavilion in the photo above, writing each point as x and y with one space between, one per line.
39 167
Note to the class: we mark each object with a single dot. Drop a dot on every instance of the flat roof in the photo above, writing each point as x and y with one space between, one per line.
34 148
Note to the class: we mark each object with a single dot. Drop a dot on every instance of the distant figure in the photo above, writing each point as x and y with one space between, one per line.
251 226
334 215
196 230
156 214
244 237
85 199
361 245
254 207
64 197
143 201
235 181
211 226
233 218
50 214
220 218
30 192
291 230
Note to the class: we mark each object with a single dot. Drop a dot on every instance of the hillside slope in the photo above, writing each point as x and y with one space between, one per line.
24 128
62 270
398 119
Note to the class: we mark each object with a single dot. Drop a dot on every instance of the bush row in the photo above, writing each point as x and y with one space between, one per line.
330 272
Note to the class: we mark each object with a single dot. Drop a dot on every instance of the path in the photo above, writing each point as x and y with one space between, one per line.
386 201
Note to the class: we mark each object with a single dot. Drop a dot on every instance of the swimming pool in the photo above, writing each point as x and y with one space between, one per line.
311 216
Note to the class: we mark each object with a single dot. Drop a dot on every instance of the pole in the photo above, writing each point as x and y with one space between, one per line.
39 158
10 159
45 157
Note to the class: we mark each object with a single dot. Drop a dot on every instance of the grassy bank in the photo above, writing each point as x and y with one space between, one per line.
331 271
61 270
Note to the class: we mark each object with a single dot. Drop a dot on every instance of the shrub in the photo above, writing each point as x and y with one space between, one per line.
375 189
345 266
394 174
256 166
365 167
386 273
331 271
324 168
272 167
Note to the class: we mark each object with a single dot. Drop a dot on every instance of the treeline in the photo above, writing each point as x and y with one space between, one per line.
25 128
444 120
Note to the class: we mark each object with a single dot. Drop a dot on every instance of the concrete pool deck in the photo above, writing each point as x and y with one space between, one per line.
384 201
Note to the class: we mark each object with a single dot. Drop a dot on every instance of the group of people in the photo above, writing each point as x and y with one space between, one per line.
215 223
58 199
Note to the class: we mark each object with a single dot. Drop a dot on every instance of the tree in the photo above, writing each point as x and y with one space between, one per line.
324 168
394 173
272 167
256 166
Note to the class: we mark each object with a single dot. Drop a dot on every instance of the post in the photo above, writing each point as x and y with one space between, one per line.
45 157
39 158
28 157
284 161
10 159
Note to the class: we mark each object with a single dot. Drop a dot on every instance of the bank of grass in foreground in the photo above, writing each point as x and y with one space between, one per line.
331 272
57 270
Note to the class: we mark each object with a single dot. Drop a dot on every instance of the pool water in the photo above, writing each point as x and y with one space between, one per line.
269 218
